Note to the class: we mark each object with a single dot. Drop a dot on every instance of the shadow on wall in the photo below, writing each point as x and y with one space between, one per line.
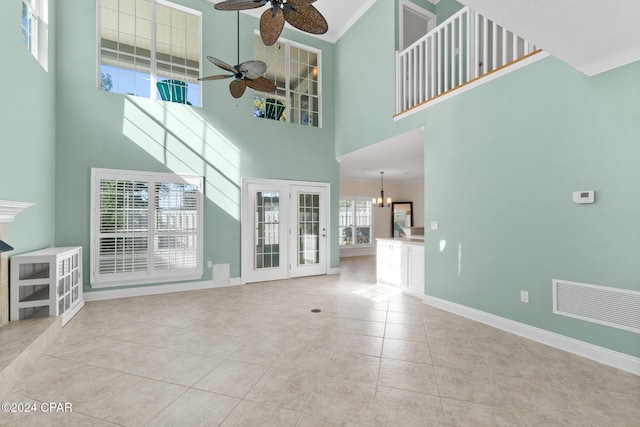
183 141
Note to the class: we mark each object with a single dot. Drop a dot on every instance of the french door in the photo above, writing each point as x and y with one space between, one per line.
284 229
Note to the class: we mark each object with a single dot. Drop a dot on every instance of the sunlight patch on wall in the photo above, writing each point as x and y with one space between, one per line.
184 142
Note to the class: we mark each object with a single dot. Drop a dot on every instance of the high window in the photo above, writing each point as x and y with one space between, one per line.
355 222
150 48
296 70
35 29
145 227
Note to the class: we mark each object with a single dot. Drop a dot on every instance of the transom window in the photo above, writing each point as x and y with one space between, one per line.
296 70
150 48
35 31
355 222
145 227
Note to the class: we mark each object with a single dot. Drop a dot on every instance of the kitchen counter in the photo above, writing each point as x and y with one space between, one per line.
417 240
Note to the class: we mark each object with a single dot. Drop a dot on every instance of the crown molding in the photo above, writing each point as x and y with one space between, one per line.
9 209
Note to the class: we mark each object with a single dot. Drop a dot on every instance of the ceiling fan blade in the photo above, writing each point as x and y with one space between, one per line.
261 84
222 65
306 18
252 69
239 4
271 26
218 77
237 88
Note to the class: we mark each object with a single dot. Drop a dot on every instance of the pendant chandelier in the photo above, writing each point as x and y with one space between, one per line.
380 202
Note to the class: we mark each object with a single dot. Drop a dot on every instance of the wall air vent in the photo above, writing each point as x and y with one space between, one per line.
618 308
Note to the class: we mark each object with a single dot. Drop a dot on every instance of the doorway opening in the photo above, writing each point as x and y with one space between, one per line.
415 22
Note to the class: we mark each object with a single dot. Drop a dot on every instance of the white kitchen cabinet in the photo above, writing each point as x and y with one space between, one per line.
401 263
389 262
45 283
413 269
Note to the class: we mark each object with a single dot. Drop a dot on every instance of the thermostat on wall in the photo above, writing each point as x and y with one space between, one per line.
584 196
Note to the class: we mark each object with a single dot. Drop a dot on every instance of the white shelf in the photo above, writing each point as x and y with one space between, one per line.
47 282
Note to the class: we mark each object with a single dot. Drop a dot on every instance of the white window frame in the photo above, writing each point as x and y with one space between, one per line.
355 222
38 36
289 93
150 275
153 73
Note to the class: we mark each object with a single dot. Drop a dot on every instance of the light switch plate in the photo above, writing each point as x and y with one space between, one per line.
435 225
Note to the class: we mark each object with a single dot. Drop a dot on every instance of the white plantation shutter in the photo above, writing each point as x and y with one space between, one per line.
146 227
176 225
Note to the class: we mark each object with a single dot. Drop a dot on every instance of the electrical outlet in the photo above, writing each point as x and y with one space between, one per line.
209 264
524 296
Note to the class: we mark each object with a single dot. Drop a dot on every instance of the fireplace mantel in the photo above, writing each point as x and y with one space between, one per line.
9 209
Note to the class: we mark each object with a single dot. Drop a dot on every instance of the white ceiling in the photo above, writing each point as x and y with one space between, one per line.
401 158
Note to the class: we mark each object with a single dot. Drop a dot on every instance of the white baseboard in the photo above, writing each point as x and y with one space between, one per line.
234 281
350 252
599 354
333 271
66 317
155 290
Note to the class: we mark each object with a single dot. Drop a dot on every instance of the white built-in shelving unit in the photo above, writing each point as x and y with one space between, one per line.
45 283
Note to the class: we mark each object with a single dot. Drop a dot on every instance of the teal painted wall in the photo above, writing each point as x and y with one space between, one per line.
222 140
500 167
501 163
27 133
365 80
446 8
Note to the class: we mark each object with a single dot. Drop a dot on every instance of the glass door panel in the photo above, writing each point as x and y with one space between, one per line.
267 234
308 228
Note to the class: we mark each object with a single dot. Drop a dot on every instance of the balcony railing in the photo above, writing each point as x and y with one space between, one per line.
464 48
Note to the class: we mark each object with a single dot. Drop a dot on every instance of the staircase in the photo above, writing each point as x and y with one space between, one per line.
461 50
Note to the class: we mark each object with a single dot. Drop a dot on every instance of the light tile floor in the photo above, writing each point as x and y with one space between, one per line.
255 355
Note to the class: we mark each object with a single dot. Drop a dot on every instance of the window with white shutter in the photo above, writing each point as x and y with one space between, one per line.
146 227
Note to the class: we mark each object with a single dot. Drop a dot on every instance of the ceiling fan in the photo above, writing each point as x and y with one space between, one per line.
248 73
299 13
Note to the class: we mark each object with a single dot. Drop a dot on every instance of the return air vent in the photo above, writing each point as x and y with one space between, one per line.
618 308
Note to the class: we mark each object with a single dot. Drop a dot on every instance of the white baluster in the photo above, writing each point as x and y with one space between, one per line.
494 34
421 80
485 45
460 50
446 61
432 69
505 48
